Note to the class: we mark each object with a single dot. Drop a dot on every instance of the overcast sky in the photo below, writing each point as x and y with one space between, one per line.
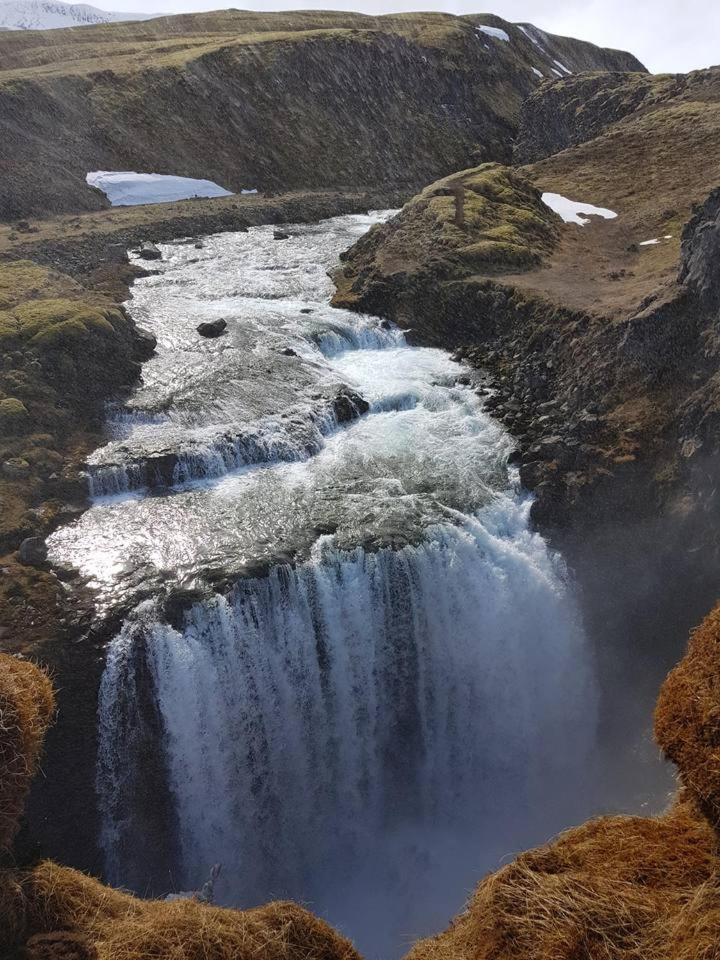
667 35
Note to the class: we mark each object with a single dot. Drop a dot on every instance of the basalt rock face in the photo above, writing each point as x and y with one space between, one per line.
279 101
612 415
577 109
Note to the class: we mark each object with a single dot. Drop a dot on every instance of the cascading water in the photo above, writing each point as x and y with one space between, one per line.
372 727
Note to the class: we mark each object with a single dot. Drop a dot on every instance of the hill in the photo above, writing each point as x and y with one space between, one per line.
267 101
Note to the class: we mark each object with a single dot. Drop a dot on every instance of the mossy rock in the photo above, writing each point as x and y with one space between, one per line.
14 416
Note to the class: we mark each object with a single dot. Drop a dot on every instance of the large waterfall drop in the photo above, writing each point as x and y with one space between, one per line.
375 683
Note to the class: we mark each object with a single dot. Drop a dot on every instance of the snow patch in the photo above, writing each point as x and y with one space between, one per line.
571 210
557 73
53 14
563 67
651 243
538 73
124 188
530 37
495 32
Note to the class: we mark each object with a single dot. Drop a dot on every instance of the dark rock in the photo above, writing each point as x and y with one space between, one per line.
280 235
150 251
144 343
212 328
288 352
307 310
349 405
33 552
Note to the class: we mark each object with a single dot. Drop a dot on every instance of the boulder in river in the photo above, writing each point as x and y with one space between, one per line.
212 328
144 343
150 251
280 235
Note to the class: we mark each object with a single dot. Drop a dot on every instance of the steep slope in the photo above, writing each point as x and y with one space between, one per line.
277 101
52 14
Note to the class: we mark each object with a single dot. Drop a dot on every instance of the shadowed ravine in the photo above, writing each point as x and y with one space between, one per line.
391 690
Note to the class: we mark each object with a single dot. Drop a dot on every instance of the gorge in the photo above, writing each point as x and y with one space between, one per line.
356 515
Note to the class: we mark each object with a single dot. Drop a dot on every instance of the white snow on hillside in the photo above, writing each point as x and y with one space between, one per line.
494 32
52 14
538 73
651 243
571 210
124 188
562 67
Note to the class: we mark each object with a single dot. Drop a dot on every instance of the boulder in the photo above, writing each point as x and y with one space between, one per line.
280 235
150 251
212 328
144 343
33 552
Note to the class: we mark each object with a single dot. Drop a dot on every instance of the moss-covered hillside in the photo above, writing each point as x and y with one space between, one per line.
267 102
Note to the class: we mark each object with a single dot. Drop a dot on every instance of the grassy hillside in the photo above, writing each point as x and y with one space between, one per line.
275 101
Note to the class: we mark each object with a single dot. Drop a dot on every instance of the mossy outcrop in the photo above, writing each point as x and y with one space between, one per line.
489 220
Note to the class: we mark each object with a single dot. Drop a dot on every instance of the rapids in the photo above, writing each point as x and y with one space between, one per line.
355 674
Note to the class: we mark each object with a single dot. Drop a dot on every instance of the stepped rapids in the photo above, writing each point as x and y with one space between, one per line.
348 671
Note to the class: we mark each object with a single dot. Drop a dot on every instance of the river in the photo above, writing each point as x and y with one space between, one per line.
349 671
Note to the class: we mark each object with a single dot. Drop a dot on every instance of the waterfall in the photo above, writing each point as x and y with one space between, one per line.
312 718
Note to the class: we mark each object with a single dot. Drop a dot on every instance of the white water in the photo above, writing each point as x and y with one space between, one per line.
370 730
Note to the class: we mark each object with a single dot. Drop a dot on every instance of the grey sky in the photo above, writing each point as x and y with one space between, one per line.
667 35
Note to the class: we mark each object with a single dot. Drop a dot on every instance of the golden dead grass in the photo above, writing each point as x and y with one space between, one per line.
26 707
61 912
616 888
687 716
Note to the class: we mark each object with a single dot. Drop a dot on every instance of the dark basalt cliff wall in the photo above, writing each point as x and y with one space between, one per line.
274 102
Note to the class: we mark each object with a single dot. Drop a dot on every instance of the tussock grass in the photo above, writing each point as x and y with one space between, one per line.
26 708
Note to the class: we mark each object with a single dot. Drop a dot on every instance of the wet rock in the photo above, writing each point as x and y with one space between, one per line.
212 328
288 352
33 552
150 251
144 343
307 310
280 235
349 405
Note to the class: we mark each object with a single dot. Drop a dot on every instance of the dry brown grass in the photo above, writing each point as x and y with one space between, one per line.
26 707
55 908
616 888
687 716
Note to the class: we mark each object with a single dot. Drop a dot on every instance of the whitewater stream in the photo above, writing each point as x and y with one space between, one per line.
349 670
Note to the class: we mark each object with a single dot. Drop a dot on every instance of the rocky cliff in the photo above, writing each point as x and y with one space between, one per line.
269 102
601 343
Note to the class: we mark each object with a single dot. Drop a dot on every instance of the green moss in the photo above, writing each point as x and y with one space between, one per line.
14 417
